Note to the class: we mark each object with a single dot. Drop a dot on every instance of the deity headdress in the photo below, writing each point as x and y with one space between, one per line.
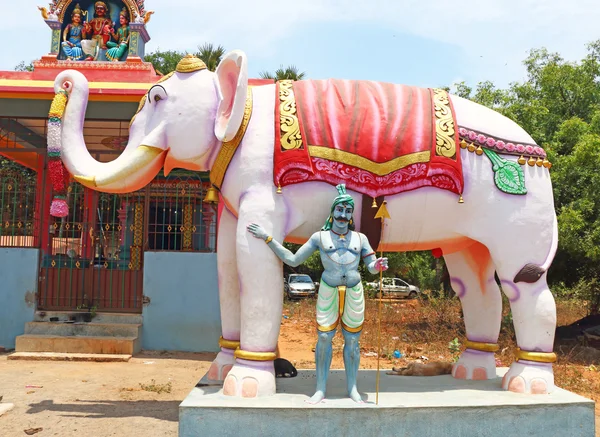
342 197
104 5
124 13
189 64
77 10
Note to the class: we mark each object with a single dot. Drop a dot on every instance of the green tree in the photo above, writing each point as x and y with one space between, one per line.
559 106
291 72
164 61
210 55
22 66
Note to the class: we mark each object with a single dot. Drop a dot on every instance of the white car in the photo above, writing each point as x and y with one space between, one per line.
396 287
298 285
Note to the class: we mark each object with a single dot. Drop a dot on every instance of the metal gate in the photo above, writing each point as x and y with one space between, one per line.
93 258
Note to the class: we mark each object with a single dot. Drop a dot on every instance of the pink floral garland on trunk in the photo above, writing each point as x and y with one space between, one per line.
59 176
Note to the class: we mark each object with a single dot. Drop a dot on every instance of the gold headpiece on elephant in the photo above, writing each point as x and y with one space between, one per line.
189 64
77 10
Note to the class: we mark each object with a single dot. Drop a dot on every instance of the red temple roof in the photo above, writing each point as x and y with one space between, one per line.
108 81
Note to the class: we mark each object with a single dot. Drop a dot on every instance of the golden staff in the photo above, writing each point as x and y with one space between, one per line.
382 213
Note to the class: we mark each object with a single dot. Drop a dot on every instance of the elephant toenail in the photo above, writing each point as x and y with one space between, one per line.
226 370
461 372
213 372
539 387
517 384
230 386
479 374
249 388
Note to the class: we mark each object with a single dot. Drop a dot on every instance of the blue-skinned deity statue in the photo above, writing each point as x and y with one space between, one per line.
341 299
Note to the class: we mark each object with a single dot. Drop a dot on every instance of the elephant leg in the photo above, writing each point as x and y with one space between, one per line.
261 291
534 317
229 297
472 278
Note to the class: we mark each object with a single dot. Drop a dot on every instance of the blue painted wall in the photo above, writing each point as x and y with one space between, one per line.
183 313
18 286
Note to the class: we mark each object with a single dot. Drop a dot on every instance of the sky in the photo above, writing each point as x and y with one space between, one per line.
416 42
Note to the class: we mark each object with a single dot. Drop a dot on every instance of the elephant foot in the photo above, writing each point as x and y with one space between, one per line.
529 377
476 365
221 366
250 379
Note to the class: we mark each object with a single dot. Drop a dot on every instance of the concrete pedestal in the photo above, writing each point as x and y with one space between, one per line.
408 406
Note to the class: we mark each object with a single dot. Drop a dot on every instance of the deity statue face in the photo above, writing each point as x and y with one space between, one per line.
123 20
76 19
342 214
100 11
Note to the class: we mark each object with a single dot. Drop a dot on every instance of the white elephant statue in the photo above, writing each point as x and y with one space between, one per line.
458 178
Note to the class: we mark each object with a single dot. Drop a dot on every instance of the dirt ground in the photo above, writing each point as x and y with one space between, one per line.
141 397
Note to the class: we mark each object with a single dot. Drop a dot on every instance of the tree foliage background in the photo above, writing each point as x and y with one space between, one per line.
559 105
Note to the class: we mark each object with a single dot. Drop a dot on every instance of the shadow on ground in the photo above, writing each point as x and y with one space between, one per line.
175 355
161 410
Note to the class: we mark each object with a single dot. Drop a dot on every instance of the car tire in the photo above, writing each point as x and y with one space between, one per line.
412 295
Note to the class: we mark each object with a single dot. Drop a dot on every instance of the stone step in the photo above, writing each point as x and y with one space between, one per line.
91 329
78 344
57 356
45 316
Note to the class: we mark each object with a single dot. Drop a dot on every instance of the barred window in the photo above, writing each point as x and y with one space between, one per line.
18 218
178 219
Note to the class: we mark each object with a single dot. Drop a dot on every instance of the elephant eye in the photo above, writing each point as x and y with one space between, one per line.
156 94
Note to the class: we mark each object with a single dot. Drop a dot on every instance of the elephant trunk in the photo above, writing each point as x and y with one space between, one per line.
131 171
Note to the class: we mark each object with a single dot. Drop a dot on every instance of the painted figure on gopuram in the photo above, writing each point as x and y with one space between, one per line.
116 50
97 30
72 34
341 299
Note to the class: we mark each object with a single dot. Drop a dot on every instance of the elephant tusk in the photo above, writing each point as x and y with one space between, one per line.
88 181
139 159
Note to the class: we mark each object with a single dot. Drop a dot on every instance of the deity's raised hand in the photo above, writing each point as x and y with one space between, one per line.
381 264
257 231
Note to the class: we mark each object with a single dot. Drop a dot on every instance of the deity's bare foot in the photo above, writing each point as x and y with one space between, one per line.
529 378
316 398
477 365
221 366
250 379
355 396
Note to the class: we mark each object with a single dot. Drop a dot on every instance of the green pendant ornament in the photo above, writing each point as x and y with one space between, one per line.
508 175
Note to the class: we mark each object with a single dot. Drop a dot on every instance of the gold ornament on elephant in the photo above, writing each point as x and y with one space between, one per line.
444 125
255 356
291 138
538 357
479 346
189 64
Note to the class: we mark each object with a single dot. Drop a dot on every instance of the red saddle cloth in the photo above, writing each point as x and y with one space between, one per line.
377 138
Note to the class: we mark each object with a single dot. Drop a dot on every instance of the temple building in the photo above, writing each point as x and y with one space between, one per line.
148 258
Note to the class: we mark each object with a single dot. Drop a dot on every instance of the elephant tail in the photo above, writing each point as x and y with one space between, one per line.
532 272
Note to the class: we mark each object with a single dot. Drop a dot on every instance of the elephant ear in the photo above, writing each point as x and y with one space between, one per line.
232 86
